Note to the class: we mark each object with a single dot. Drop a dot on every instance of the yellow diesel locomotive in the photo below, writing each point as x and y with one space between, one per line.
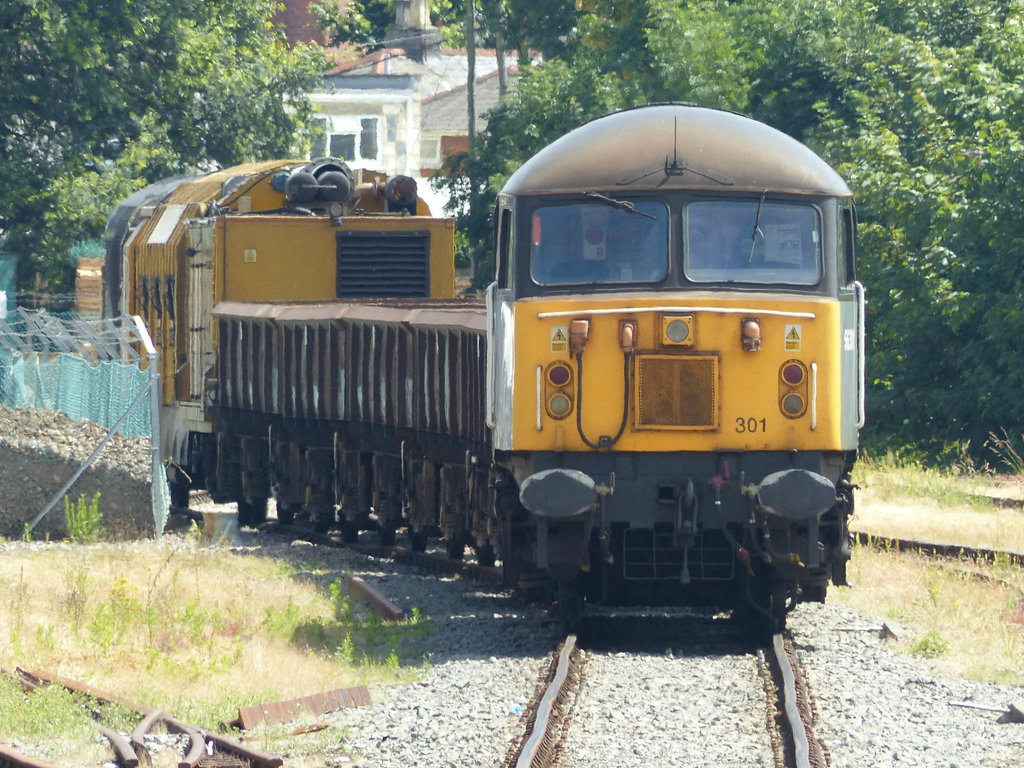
657 401
676 360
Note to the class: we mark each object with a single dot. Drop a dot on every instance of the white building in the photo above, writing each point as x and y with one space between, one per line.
402 109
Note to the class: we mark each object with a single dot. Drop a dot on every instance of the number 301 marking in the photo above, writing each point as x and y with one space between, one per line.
750 425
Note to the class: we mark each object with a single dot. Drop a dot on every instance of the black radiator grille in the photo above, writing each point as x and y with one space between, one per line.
377 265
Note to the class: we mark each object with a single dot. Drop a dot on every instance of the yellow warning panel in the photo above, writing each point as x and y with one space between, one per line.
793 337
560 338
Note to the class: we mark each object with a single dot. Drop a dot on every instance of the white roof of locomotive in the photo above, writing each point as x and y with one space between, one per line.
676 146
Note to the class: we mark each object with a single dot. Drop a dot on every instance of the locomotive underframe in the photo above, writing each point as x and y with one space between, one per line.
687 528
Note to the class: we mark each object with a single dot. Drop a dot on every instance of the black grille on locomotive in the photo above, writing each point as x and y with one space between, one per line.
653 555
377 265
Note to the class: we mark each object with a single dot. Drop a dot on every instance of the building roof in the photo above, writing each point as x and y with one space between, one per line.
449 112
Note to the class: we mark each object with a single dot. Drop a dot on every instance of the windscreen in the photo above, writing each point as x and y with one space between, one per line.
599 242
751 241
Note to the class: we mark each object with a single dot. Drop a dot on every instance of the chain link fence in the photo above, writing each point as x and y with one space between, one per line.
79 406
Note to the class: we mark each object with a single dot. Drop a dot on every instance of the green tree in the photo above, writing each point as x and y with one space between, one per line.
548 102
104 96
930 139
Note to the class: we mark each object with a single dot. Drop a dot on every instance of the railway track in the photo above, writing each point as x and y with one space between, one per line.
950 551
794 740
710 702
547 715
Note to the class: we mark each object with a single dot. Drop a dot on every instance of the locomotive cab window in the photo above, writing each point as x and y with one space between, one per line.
503 245
752 241
596 242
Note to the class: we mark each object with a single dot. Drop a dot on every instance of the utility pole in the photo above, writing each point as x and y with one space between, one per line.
471 67
499 46
471 108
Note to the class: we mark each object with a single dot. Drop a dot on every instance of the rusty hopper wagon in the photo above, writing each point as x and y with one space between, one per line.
357 406
658 401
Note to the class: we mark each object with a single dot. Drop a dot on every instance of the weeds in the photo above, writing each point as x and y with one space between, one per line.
76 595
1008 455
359 637
186 625
969 620
49 713
83 519
931 645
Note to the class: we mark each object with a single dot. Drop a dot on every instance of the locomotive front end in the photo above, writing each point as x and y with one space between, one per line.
676 361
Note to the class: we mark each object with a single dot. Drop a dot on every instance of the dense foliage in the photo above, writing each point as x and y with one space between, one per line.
537 26
918 103
101 97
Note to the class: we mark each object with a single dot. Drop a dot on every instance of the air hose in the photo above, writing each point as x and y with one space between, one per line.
604 441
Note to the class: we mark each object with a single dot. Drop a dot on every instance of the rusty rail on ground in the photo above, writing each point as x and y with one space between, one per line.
10 758
952 551
199 738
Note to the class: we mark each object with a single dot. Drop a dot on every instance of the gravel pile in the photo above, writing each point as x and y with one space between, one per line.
41 450
878 708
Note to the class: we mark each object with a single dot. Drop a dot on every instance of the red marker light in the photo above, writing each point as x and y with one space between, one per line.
793 374
559 375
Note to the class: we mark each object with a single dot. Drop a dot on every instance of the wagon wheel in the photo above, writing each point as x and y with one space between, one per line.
286 513
252 513
349 531
417 540
455 546
386 532
485 555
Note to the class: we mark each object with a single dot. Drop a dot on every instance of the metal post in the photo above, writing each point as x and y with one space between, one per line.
156 495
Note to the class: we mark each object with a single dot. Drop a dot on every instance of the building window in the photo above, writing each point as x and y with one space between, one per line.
368 138
320 131
343 146
348 138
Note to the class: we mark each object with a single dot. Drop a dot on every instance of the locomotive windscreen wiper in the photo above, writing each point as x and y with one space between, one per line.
619 205
757 230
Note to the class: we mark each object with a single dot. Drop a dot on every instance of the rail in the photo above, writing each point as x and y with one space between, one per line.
801 749
548 711
953 551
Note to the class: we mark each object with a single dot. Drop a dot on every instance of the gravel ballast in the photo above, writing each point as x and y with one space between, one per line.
483 658
877 707
636 711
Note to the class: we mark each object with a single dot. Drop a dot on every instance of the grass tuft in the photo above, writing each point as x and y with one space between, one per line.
83 520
